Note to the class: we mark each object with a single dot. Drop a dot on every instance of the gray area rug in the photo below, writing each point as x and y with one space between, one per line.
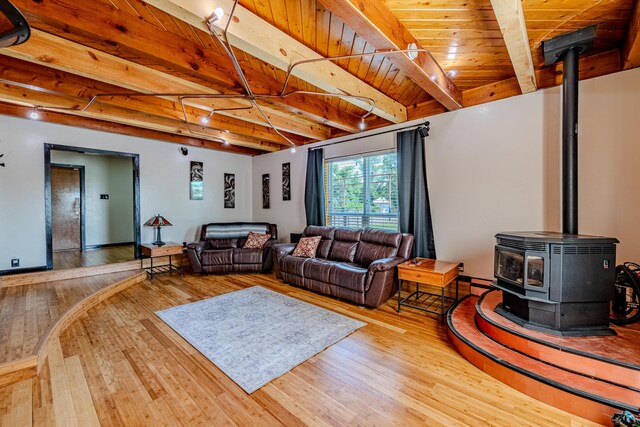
256 335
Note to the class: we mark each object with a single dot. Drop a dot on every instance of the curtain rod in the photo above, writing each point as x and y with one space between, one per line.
426 123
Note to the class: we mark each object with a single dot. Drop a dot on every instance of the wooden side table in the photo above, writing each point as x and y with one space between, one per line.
152 251
429 272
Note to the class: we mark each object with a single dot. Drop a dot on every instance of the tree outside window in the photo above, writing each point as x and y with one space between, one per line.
363 191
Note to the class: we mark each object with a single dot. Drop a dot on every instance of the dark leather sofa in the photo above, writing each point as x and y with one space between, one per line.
220 248
353 265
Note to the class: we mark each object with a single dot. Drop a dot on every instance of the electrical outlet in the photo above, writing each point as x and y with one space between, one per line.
15 262
461 267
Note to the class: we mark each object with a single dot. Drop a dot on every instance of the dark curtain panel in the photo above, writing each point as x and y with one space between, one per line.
314 188
413 197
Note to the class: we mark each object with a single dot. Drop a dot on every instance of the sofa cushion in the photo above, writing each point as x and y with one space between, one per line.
247 256
318 269
223 243
307 247
349 276
292 265
256 240
344 245
217 256
377 244
381 237
327 234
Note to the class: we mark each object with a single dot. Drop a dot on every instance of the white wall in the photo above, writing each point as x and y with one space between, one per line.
496 167
164 185
111 220
485 175
609 160
121 225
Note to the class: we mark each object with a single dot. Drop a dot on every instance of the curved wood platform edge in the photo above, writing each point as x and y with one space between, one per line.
71 273
530 384
29 366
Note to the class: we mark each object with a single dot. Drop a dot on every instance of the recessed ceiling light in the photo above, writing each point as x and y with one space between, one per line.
452 52
452 73
34 114
293 149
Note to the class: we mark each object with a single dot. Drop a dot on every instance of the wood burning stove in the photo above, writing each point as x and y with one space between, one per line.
555 282
560 282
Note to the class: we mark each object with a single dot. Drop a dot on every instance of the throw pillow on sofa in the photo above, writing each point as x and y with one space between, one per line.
256 240
307 247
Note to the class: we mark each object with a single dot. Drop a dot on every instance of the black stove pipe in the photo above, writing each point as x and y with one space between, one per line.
570 141
568 48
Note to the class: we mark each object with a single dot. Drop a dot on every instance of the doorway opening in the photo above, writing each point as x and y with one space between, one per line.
92 206
67 207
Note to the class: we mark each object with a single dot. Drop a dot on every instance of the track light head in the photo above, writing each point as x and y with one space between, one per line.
412 54
225 142
362 125
216 15
205 120
293 149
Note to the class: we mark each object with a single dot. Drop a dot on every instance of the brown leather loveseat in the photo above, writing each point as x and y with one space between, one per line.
220 248
354 265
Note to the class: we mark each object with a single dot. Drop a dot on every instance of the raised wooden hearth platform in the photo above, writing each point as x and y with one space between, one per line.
593 377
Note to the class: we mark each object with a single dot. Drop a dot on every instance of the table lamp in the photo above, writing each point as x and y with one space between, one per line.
158 221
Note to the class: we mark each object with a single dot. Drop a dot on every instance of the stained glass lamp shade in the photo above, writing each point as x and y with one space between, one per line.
158 221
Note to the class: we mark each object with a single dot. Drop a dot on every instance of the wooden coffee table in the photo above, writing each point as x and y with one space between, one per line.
432 273
149 250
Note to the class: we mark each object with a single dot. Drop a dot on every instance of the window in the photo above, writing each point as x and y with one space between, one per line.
362 191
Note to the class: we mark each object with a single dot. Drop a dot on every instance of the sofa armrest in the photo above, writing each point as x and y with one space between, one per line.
386 263
284 248
382 280
194 252
279 251
198 247
267 255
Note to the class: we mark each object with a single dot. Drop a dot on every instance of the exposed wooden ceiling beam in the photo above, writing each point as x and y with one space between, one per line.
589 67
374 22
255 36
510 16
91 23
39 77
103 111
66 55
103 126
631 50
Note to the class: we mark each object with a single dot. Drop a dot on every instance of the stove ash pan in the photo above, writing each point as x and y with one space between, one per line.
559 283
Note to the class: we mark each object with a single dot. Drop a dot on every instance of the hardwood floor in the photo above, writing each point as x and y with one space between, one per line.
63 260
27 311
121 365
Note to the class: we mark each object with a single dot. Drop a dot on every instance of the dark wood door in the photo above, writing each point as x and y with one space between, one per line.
65 208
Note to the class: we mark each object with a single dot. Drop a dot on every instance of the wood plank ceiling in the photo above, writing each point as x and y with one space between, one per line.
480 50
